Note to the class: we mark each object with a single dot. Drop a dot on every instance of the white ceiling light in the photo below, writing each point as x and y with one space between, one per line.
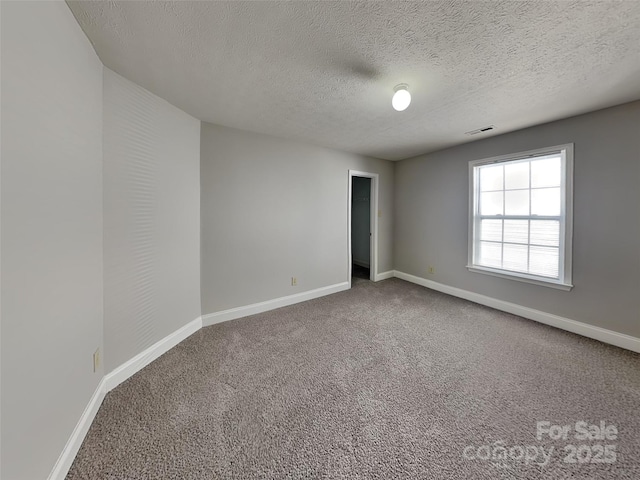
402 98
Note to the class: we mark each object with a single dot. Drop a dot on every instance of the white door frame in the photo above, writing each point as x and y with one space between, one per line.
373 245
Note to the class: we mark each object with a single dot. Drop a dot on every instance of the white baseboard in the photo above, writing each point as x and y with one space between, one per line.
238 312
109 382
384 275
607 336
65 460
137 363
144 358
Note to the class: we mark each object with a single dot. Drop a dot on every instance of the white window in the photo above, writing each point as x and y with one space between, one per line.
520 219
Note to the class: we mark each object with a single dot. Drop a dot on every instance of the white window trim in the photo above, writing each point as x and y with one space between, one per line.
566 231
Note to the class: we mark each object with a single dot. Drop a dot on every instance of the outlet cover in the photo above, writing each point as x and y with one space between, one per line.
96 360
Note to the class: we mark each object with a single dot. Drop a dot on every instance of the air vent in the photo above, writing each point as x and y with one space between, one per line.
480 130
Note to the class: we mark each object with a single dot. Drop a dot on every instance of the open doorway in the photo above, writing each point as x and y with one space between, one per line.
362 228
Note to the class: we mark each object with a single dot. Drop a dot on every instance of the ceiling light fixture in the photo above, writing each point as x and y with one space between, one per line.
401 98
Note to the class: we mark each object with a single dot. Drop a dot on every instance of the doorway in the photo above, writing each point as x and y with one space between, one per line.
362 226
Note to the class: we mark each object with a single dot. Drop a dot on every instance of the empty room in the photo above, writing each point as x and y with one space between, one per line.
319 240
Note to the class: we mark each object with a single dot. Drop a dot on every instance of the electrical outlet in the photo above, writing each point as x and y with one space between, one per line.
432 270
96 360
294 281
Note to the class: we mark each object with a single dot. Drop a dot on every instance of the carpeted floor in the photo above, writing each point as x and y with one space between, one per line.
388 380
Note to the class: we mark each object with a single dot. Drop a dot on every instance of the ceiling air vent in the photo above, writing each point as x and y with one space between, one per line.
480 130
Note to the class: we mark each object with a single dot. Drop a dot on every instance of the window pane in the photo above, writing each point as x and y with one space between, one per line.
491 203
491 230
545 232
546 172
516 175
516 202
516 231
515 257
491 178
490 254
543 261
545 201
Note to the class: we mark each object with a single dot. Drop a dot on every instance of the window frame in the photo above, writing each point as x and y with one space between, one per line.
564 280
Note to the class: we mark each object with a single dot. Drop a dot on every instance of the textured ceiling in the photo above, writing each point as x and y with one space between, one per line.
323 72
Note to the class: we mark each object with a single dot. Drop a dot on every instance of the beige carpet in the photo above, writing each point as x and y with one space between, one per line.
385 381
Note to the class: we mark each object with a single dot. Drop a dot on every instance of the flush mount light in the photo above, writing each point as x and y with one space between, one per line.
401 98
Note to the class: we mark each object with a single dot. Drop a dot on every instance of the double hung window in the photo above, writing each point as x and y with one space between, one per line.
520 221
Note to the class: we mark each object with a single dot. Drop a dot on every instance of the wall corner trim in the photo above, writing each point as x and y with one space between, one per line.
144 358
244 311
597 333
385 275
68 455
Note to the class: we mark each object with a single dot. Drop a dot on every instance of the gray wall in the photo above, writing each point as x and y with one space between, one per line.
361 221
51 232
432 207
151 219
273 209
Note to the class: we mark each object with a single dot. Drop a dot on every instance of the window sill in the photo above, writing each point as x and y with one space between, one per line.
520 277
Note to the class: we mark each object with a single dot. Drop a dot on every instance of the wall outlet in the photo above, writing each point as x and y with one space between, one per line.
432 270
294 281
96 360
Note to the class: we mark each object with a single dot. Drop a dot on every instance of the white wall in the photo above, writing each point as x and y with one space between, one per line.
273 209
51 232
432 212
151 219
